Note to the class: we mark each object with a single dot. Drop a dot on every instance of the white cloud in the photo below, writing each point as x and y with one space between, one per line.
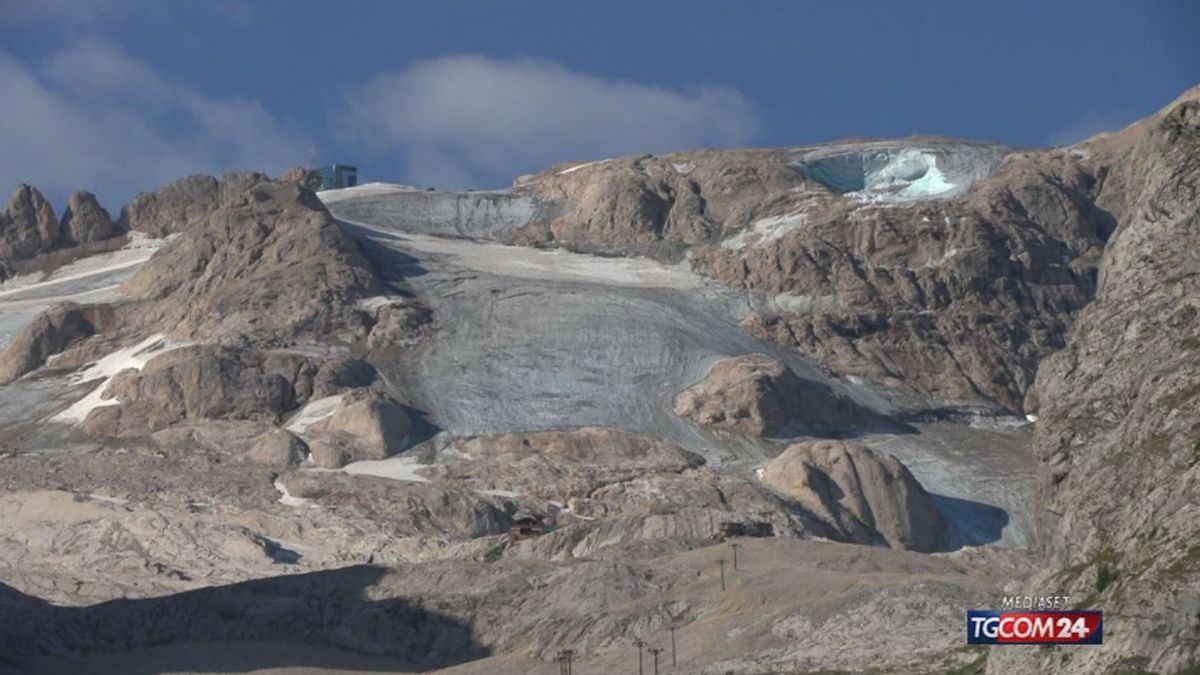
93 118
477 121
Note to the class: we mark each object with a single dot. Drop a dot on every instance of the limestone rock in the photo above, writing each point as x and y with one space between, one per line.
85 221
50 333
27 226
398 323
304 177
278 448
759 395
861 491
957 297
559 465
267 268
175 207
208 382
1118 476
365 425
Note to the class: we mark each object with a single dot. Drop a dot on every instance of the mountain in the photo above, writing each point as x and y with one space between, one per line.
765 406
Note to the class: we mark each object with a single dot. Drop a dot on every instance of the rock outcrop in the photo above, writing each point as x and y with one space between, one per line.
1117 439
27 225
760 395
175 207
870 495
268 267
51 333
365 425
207 382
85 221
956 295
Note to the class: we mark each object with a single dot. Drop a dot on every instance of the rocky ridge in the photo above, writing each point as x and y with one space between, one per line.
1118 456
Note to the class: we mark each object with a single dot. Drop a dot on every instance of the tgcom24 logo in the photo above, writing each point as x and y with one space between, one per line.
1038 627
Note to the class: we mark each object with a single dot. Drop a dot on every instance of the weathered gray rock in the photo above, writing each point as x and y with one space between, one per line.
175 207
268 268
1118 457
208 382
85 221
561 465
867 494
955 297
759 395
197 383
49 334
304 177
278 448
27 227
365 425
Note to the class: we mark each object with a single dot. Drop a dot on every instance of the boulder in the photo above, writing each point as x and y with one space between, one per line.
870 495
756 394
365 425
278 448
201 382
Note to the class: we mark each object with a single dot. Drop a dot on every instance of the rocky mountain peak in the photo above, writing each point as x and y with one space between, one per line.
84 220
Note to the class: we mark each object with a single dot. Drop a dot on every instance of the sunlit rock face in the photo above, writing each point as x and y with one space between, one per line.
900 172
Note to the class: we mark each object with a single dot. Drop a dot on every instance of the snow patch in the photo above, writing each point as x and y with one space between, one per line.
136 252
803 304
378 301
105 369
765 231
364 190
314 411
580 166
400 467
108 500
683 168
287 499
1031 418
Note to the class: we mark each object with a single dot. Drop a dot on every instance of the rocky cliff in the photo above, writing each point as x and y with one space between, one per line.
942 267
1118 441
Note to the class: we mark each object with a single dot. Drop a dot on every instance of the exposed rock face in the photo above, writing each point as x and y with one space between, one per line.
51 333
175 207
870 495
27 226
1117 439
956 294
279 448
85 221
398 323
955 298
413 508
304 177
560 465
365 425
268 267
207 382
657 205
759 395
195 383
185 203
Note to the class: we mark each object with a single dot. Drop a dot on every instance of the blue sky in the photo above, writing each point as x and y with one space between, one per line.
118 96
